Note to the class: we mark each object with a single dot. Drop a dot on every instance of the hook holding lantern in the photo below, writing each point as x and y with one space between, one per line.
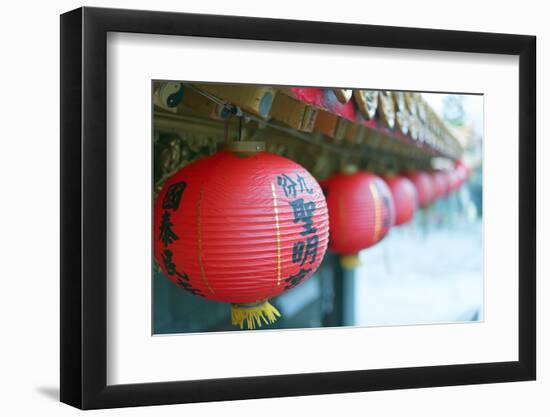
239 146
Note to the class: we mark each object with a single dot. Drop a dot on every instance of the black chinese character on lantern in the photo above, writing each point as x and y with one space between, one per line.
169 264
298 253
166 234
183 282
294 280
303 185
287 184
303 212
182 278
172 197
311 249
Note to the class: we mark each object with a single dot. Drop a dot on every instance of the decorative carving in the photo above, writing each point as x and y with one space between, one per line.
399 98
252 98
189 134
403 119
342 95
402 116
387 108
169 95
420 108
410 101
413 127
367 101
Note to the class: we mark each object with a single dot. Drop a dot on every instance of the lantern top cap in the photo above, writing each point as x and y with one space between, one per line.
350 169
244 148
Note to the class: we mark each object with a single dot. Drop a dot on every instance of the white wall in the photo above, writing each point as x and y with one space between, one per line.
29 224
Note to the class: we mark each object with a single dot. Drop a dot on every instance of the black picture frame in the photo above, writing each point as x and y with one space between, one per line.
84 207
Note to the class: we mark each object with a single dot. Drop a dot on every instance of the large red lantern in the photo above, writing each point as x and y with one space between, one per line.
361 213
424 187
404 197
241 229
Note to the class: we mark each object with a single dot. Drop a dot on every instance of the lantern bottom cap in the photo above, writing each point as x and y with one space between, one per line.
349 261
252 315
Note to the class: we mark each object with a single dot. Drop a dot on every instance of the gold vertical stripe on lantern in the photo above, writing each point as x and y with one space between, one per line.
277 233
377 211
200 246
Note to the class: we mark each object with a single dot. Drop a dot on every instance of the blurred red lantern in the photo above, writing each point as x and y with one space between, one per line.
424 187
241 229
440 184
462 170
361 213
458 176
453 178
404 198
463 167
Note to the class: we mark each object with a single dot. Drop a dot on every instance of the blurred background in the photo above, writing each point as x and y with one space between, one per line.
427 271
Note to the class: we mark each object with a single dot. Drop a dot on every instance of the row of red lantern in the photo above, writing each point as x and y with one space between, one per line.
364 207
242 229
437 184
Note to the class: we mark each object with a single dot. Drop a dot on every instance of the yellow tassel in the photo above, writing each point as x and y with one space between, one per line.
252 315
349 261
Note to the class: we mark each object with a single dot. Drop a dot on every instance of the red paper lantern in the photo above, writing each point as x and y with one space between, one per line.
361 213
462 170
241 230
463 167
424 187
404 197
459 175
453 178
440 184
